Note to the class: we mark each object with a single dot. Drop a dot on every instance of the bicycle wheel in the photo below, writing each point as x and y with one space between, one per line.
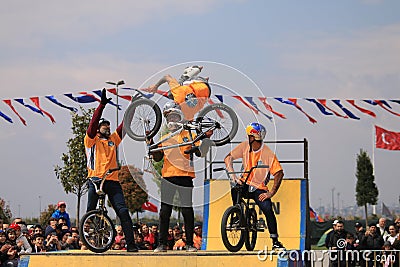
231 232
97 231
224 117
142 115
251 231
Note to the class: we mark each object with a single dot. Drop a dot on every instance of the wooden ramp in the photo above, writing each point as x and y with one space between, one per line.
149 258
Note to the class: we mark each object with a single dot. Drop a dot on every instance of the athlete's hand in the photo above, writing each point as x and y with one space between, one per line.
151 89
236 179
104 99
264 196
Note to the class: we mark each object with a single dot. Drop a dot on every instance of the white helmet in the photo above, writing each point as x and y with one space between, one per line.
190 72
172 112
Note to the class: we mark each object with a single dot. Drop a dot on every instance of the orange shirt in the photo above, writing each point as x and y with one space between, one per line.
191 97
264 156
176 162
101 155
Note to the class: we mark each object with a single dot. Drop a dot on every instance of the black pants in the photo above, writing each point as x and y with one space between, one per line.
169 186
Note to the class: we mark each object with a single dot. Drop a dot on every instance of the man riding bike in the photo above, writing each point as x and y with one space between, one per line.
254 152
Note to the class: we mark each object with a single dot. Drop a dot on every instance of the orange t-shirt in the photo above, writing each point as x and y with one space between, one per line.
264 156
191 97
176 162
101 155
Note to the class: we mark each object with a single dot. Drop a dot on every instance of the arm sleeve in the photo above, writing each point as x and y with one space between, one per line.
94 122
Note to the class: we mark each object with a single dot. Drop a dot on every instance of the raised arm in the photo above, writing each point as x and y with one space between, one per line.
165 79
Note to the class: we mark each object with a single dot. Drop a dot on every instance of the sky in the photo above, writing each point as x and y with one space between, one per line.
318 49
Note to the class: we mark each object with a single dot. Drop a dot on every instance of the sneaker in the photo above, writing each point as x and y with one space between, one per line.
278 246
132 248
191 249
161 248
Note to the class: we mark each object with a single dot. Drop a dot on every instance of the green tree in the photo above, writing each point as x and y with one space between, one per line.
366 190
46 214
5 211
74 172
134 188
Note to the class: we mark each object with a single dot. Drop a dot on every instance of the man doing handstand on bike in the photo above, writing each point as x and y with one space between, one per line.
191 92
254 152
101 146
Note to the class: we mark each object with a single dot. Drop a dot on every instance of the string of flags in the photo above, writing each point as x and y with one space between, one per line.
259 105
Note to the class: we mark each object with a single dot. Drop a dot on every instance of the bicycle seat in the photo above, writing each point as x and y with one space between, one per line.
96 181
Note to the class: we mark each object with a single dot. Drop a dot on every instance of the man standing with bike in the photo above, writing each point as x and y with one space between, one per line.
254 152
178 174
101 146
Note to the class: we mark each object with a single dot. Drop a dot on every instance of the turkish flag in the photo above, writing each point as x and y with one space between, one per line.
386 139
149 206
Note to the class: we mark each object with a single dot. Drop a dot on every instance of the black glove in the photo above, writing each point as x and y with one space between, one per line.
104 99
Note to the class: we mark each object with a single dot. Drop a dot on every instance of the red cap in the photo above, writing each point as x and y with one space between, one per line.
15 226
61 203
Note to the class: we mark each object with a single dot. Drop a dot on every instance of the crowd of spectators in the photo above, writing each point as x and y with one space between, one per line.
59 234
381 241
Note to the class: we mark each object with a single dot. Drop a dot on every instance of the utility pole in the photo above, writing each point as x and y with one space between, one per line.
333 203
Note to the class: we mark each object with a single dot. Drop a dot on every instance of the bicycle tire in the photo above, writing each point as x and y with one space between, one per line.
225 117
139 112
100 234
251 231
232 236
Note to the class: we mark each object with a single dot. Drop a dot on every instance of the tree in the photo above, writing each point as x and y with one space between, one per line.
74 172
46 214
366 190
5 211
134 188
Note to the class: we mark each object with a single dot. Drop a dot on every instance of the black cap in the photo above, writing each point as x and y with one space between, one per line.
358 224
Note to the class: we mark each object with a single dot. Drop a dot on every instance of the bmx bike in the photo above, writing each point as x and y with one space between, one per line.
239 224
142 121
97 231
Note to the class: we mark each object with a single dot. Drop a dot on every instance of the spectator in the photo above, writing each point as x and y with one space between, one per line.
350 246
61 213
335 245
180 244
52 242
74 240
38 243
145 245
359 234
177 233
12 256
101 151
65 240
120 234
382 229
51 226
388 256
197 238
372 241
21 240
328 235
397 224
393 234
170 239
147 235
154 230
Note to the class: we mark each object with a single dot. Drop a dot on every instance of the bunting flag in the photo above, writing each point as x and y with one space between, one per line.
314 215
250 100
6 117
395 101
386 212
323 102
35 100
8 102
363 110
114 91
220 98
98 92
245 103
386 139
163 93
293 102
82 98
269 107
55 101
149 206
345 110
319 106
21 101
383 103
